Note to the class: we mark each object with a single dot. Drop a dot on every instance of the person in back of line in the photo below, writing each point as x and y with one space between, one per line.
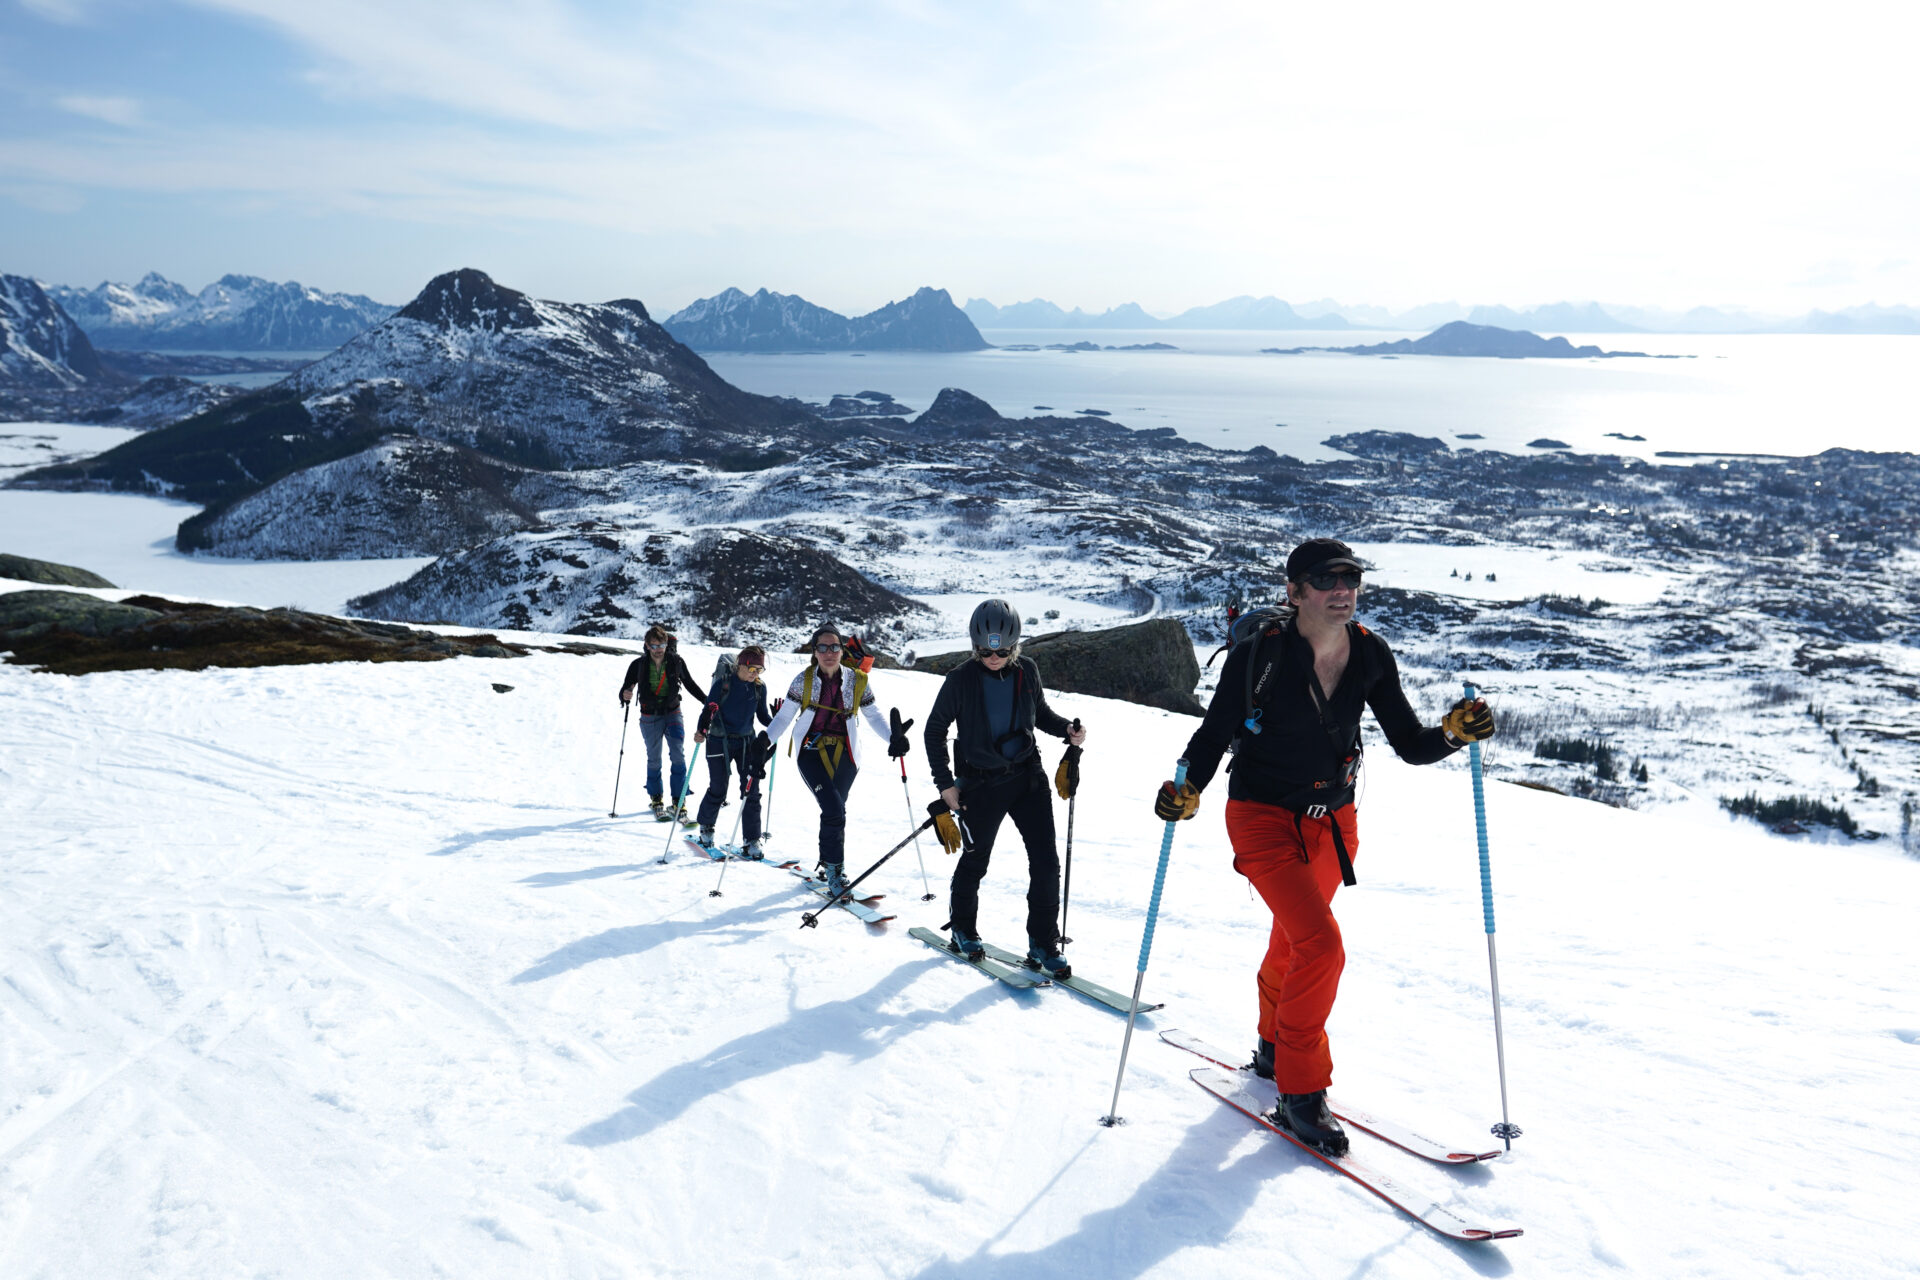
659 675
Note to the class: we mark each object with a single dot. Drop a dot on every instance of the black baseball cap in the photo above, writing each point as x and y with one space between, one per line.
1321 555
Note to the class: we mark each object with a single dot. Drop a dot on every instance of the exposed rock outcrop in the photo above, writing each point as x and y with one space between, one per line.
23 569
1148 662
66 633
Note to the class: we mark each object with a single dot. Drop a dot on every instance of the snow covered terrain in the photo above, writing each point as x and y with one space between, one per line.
344 970
128 539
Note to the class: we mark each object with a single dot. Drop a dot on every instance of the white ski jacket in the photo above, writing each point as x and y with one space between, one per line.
869 711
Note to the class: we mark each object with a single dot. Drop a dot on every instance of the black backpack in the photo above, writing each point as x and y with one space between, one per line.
1252 629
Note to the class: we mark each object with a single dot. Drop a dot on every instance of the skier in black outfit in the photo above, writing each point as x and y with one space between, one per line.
1289 705
659 676
727 727
996 702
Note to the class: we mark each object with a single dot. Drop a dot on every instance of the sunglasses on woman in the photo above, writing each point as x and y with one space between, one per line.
826 648
1349 579
995 653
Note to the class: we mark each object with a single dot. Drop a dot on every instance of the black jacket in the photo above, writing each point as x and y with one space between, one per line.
1295 748
666 699
961 698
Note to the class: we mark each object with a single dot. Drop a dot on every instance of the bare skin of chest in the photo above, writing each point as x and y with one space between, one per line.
1330 664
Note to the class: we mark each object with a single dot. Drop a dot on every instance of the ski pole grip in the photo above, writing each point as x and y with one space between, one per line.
1160 874
1480 825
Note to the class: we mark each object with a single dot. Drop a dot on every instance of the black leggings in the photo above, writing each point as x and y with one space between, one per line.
1025 797
831 792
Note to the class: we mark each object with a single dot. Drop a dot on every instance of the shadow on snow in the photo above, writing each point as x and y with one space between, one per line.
856 1028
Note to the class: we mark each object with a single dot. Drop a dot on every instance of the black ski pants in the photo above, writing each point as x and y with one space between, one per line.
724 755
831 793
1024 796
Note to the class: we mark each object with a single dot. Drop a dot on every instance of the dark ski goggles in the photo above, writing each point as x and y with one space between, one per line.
994 653
1348 578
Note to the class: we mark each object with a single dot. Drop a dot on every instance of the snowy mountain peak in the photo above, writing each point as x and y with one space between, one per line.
767 321
40 345
235 312
469 299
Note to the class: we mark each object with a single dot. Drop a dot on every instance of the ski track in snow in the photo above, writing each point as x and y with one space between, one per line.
343 970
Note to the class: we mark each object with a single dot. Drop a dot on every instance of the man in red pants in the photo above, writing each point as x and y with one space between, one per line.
1289 704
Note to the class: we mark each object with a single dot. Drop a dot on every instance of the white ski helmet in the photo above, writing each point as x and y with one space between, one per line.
995 625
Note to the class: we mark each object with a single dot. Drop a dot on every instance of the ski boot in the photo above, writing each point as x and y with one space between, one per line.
1262 1064
836 879
1049 961
659 806
1305 1116
966 945
705 839
752 852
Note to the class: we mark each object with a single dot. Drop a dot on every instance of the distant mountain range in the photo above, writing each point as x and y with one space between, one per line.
234 313
1244 312
1269 313
765 321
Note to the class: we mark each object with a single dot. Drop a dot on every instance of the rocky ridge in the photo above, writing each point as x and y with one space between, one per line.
733 320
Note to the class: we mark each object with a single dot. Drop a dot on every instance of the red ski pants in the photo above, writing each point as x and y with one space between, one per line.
1296 870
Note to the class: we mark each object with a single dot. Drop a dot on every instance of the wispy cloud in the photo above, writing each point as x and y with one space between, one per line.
72 12
124 112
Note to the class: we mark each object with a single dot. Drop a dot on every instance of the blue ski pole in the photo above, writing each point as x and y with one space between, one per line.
679 807
1506 1130
1112 1117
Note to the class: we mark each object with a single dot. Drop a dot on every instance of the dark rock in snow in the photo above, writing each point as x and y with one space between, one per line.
23 569
68 634
1148 662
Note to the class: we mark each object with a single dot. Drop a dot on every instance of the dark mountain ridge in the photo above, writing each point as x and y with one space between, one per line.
733 320
474 364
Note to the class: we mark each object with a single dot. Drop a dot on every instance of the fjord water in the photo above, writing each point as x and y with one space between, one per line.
1761 393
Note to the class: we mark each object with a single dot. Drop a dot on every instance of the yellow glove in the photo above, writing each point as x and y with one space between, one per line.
1470 720
948 830
1176 806
1066 776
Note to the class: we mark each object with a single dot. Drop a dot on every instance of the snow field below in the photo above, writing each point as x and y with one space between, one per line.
343 970
128 539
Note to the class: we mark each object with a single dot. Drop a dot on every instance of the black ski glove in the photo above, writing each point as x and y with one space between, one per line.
757 752
899 744
1176 805
1470 720
707 713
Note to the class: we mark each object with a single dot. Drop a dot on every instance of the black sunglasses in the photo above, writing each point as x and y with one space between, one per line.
994 653
1328 581
826 648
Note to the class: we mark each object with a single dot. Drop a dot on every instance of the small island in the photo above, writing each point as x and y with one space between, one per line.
1482 340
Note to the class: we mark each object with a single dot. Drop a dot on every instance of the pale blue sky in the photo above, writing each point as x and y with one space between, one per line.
1172 154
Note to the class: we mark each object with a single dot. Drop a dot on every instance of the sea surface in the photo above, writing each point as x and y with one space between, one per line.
1764 393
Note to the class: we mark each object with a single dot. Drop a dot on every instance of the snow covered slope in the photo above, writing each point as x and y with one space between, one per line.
40 345
344 971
